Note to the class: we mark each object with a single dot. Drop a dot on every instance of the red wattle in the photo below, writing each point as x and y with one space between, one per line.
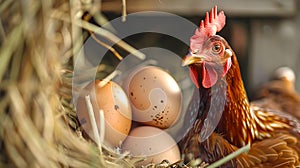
209 75
194 76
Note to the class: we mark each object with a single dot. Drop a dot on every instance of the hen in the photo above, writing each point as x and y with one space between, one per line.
279 93
225 120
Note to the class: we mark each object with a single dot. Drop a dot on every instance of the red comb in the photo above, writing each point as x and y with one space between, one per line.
213 23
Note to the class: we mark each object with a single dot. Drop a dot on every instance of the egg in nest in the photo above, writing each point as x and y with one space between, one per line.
155 97
116 107
152 143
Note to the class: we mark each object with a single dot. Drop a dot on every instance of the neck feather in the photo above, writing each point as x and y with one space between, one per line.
241 123
236 123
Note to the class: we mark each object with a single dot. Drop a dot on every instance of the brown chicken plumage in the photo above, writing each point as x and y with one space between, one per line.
274 136
280 93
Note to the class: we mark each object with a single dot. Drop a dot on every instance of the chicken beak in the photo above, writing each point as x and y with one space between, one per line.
192 59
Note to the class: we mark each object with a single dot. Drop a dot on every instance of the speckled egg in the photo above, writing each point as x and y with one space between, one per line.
152 143
155 97
116 107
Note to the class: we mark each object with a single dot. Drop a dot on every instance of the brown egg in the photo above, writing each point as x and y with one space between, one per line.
155 97
117 111
152 143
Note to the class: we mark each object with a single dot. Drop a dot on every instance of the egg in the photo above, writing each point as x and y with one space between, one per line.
152 143
154 95
112 99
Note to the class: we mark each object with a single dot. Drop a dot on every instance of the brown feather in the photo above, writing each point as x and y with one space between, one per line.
279 93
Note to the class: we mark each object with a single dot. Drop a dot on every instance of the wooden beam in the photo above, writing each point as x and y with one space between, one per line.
236 8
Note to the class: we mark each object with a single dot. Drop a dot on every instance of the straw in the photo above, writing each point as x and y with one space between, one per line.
230 156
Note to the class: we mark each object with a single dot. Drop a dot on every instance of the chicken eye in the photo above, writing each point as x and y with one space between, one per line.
216 48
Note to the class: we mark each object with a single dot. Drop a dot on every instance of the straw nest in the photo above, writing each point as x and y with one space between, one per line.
38 127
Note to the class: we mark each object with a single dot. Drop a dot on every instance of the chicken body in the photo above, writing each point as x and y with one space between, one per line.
273 135
279 93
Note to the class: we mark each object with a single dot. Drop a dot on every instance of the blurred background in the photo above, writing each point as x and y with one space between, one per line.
264 34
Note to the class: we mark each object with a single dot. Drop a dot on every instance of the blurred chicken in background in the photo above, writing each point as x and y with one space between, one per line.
279 93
